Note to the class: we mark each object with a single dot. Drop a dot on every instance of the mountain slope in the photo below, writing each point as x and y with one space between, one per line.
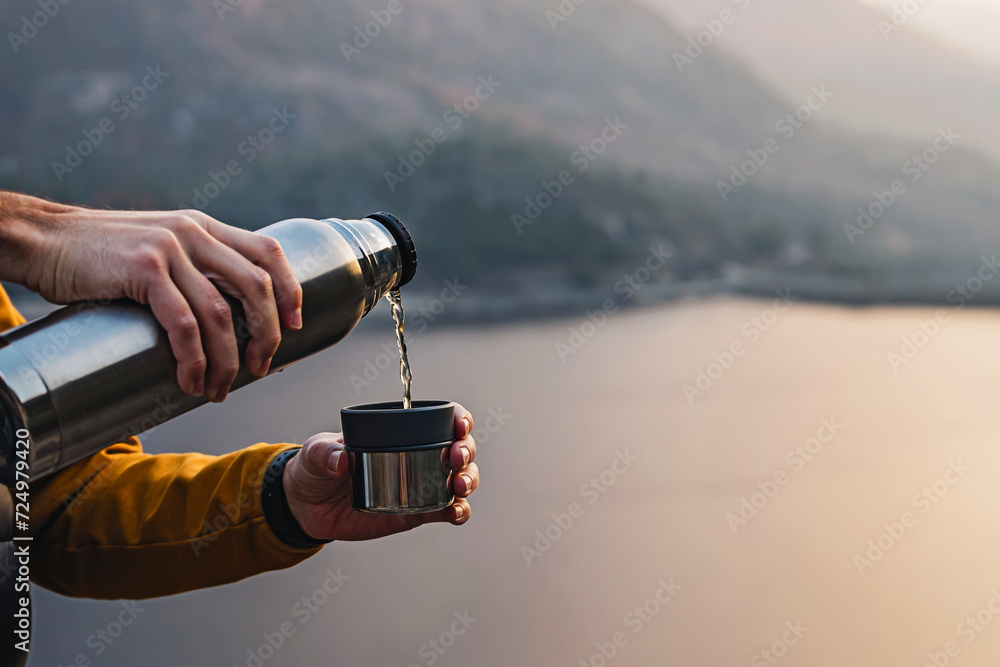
900 83
350 121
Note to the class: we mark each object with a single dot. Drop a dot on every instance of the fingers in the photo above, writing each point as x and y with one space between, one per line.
174 314
457 513
266 253
323 456
466 481
463 452
215 324
237 276
463 422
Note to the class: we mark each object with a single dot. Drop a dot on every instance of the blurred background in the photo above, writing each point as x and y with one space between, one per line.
715 277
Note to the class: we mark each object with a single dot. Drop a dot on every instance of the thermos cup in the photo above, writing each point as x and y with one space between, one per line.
400 458
92 374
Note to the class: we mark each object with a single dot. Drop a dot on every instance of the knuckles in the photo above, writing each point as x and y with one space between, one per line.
270 248
222 314
186 326
261 282
149 260
229 370
198 365
184 224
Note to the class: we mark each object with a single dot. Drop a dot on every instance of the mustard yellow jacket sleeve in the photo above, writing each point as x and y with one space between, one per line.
126 524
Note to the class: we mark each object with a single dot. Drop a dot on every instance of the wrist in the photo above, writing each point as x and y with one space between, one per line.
277 508
28 228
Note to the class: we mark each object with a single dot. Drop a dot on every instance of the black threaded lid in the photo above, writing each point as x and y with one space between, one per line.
403 241
389 426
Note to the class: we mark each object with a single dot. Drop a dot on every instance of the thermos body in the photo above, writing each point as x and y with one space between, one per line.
95 373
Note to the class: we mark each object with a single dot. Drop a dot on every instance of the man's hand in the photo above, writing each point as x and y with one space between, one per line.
318 486
179 263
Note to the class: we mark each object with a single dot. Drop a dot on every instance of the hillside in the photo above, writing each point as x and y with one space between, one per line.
897 80
352 116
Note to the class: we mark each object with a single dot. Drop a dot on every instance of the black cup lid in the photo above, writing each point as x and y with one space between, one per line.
389 426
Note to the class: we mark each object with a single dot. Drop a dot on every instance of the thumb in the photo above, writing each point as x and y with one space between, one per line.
323 456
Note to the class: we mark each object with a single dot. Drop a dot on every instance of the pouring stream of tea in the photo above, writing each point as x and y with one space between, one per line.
404 364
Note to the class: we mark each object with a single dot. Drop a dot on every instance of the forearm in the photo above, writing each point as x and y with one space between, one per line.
26 226
124 524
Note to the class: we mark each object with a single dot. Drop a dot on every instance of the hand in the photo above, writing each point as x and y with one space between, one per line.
318 487
179 263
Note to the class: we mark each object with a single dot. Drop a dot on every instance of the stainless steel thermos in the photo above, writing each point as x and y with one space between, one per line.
92 374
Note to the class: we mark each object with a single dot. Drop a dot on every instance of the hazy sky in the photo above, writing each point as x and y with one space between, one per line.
968 24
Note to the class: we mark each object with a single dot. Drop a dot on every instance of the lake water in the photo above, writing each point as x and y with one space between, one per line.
870 440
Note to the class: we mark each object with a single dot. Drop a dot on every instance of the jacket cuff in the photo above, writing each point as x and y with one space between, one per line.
277 512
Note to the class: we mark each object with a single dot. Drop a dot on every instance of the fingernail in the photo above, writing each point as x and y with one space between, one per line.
199 388
468 425
265 366
466 456
297 319
468 482
220 396
459 512
333 462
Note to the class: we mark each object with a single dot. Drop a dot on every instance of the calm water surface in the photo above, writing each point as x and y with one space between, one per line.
838 447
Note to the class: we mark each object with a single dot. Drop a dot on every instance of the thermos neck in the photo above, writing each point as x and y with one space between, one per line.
404 242
387 256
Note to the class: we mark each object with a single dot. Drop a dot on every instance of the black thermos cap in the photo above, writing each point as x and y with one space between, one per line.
407 251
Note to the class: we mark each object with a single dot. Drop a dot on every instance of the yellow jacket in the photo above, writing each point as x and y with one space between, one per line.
126 524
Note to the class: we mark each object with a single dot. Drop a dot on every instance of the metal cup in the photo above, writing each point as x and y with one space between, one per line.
400 459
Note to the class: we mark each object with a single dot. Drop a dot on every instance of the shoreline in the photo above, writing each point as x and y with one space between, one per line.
490 306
